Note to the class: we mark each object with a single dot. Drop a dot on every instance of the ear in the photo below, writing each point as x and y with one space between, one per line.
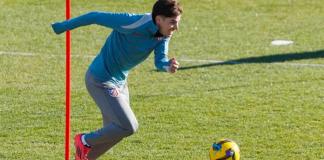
158 19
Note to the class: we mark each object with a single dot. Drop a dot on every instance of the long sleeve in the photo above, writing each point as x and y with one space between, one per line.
161 60
116 21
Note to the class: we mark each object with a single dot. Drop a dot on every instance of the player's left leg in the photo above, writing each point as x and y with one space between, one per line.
118 117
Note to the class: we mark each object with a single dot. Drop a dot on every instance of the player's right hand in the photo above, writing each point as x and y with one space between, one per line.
174 65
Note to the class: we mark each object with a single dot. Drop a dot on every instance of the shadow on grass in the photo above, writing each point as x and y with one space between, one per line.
263 59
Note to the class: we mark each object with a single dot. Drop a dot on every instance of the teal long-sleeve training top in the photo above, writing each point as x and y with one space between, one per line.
133 38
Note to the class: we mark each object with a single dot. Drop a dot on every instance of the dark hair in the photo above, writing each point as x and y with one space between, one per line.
167 8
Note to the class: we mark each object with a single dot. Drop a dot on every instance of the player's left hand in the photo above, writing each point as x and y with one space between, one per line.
174 65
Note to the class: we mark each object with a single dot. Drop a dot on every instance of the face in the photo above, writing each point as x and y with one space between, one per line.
167 25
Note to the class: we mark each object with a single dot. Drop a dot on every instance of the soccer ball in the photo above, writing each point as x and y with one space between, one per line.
225 149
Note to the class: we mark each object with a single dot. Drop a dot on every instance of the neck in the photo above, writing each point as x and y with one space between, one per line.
158 34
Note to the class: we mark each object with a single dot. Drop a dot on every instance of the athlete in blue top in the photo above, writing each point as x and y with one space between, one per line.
133 38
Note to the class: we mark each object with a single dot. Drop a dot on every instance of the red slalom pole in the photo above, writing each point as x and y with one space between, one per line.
67 84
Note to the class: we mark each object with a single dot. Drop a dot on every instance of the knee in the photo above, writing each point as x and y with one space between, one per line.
132 128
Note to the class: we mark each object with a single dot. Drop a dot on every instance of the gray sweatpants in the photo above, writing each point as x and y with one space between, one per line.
118 118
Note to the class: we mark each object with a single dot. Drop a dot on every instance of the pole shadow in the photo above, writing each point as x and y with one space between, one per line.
263 59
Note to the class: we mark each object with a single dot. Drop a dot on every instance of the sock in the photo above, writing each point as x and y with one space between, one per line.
84 142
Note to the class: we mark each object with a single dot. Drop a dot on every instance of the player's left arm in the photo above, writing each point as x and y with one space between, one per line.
161 60
111 20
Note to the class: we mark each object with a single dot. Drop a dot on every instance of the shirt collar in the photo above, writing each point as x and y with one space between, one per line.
154 29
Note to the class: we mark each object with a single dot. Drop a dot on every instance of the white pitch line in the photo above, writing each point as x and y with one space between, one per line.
201 60
17 53
28 54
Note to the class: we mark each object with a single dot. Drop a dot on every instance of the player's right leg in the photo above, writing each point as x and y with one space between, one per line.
81 149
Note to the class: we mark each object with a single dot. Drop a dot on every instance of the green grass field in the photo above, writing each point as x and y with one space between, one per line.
269 99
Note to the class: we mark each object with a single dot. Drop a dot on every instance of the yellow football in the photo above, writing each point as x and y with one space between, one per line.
224 149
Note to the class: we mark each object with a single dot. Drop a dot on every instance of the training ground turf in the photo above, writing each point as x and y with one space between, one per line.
233 84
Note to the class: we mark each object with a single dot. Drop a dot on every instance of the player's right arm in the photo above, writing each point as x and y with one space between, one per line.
107 19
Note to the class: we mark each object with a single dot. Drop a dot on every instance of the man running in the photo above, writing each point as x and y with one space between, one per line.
133 38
